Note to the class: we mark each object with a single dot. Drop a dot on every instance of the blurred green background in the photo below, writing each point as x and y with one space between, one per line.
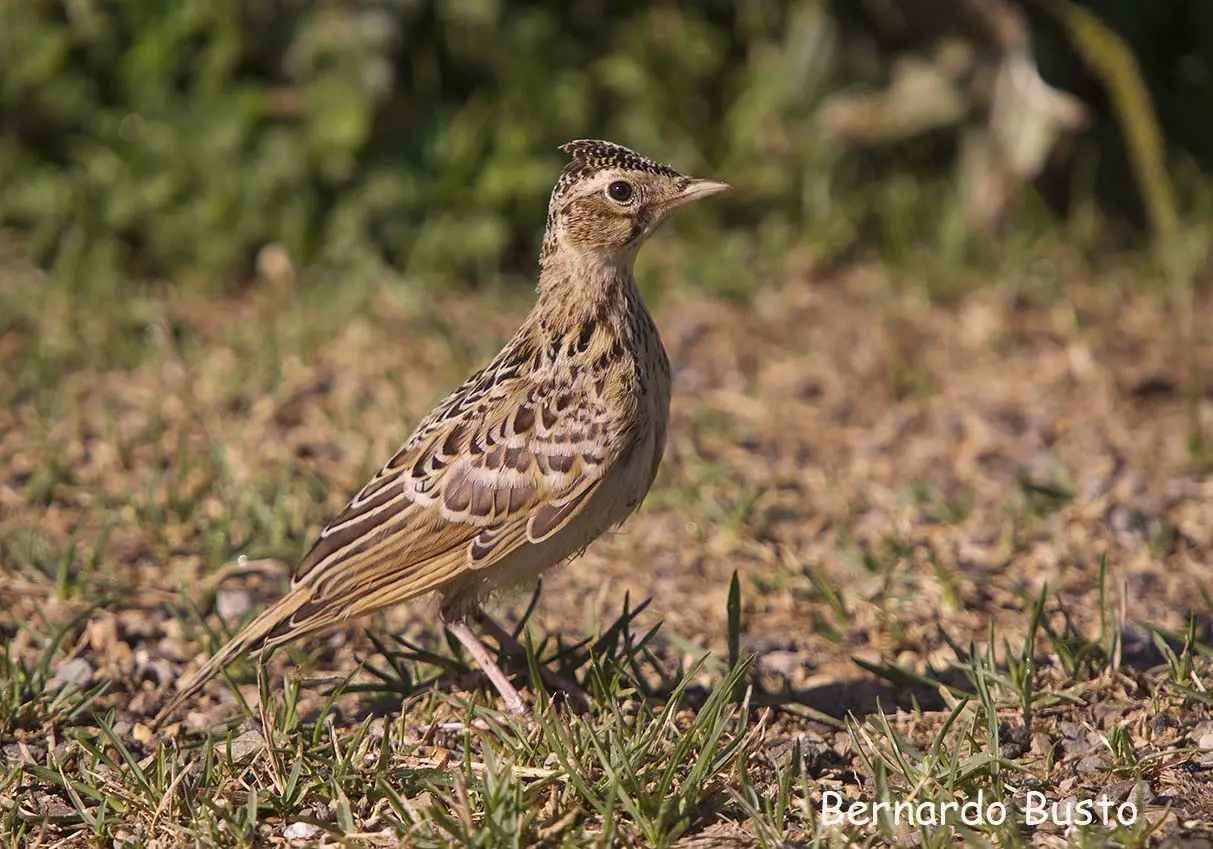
177 140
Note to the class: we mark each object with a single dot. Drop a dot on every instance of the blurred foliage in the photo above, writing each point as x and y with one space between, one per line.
179 138
182 136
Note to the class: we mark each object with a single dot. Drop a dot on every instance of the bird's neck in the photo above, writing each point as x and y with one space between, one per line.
573 288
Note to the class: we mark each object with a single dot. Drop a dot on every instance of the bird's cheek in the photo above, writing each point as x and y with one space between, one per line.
619 231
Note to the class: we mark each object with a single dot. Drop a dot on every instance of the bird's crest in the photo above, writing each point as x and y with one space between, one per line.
590 156
595 155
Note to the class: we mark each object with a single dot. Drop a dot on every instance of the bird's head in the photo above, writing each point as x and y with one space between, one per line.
610 199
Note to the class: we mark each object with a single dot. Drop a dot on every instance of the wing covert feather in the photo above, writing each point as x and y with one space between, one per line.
513 468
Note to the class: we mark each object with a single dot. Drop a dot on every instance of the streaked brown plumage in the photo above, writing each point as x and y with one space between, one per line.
555 441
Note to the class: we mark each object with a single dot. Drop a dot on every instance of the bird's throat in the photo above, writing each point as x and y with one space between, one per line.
574 288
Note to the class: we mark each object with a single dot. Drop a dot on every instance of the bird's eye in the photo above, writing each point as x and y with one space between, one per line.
620 191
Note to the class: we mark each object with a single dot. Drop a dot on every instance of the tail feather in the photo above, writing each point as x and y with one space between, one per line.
312 608
258 635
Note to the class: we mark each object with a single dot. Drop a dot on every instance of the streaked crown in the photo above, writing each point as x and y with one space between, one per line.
590 156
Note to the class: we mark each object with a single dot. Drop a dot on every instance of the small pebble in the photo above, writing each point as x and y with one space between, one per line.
1202 734
15 753
249 741
1137 791
1091 763
159 672
1169 796
784 663
1205 742
232 605
77 672
302 831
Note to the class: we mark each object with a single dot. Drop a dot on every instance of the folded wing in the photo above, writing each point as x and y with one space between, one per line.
492 470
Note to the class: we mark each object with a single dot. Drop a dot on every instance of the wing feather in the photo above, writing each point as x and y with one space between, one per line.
501 464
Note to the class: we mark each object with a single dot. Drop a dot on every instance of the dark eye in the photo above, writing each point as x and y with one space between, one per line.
620 190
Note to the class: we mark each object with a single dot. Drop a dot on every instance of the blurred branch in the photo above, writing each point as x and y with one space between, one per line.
1111 59
1178 254
923 95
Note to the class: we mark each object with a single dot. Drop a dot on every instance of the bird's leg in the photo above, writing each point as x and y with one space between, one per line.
513 699
517 651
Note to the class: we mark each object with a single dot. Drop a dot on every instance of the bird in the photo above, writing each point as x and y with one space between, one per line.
554 442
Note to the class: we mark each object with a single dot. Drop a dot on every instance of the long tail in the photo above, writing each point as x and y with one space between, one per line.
313 607
258 635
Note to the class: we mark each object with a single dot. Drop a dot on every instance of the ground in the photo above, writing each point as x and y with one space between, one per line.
970 537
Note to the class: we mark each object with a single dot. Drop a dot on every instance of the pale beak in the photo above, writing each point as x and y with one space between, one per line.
696 190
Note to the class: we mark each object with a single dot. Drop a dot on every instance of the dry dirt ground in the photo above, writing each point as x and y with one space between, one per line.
893 480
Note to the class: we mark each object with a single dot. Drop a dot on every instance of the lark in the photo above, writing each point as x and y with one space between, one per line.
554 442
